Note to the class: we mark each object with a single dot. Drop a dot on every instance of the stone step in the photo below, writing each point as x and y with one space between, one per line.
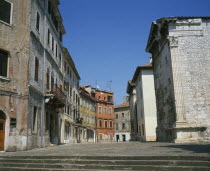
195 158
110 167
172 163
108 162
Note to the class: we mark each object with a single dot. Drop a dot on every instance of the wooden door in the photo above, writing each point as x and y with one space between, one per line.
2 134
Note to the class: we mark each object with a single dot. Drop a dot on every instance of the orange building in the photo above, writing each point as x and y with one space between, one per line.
104 114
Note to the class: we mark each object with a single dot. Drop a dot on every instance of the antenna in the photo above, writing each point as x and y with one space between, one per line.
109 86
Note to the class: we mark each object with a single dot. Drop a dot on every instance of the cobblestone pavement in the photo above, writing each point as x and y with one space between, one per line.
118 149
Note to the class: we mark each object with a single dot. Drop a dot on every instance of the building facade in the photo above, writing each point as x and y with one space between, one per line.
32 95
131 90
70 116
104 114
146 103
87 116
122 122
180 52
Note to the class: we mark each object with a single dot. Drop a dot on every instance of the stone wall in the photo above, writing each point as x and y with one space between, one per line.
15 38
180 48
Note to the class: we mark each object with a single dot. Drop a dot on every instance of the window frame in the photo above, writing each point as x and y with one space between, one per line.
8 60
11 14
36 70
38 21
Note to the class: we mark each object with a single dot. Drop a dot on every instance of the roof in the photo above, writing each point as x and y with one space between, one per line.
153 28
138 69
86 93
124 104
104 91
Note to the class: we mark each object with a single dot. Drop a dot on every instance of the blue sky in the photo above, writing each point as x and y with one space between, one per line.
107 38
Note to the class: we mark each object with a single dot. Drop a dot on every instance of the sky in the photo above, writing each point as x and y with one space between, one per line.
107 38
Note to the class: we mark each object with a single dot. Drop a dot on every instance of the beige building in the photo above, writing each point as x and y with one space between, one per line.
181 60
32 95
145 103
70 114
87 117
122 122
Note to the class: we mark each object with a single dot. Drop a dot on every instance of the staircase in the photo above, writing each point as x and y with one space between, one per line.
82 163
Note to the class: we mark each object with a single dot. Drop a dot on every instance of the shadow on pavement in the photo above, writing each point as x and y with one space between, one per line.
195 148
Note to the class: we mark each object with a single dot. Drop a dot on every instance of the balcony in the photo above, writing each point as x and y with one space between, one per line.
55 95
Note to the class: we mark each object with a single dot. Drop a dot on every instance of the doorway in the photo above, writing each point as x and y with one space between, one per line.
117 138
123 137
2 130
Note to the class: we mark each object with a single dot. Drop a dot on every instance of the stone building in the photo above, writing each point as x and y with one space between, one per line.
32 95
87 116
131 90
181 60
104 114
122 122
70 115
145 102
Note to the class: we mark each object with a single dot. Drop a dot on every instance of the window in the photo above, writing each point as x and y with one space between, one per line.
60 60
104 109
3 63
117 126
99 109
68 70
37 21
5 11
48 36
110 99
110 110
65 66
56 50
53 44
35 119
74 96
140 130
100 123
105 123
68 110
110 124
36 77
61 38
123 125
12 124
116 116
123 115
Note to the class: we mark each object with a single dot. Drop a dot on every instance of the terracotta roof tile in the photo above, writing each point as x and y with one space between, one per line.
125 104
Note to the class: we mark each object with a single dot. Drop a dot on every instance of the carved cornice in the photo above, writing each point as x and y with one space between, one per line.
173 41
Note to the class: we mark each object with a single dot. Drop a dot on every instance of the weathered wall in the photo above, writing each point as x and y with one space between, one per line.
190 54
14 102
181 57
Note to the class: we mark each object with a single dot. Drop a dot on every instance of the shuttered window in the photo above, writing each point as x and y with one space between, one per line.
3 63
5 11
